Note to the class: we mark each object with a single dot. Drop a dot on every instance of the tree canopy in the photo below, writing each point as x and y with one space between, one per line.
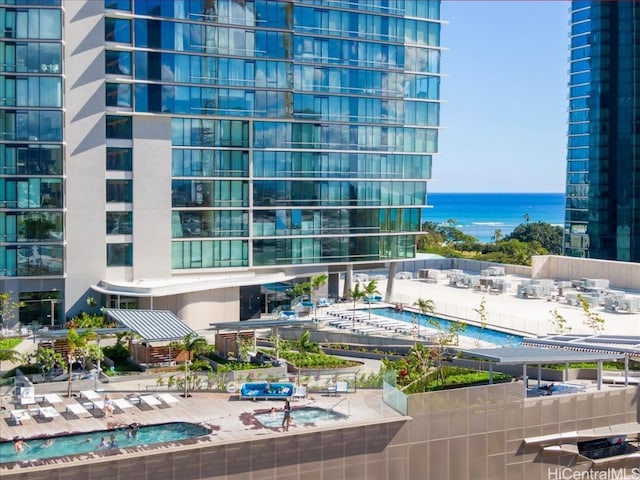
526 240
547 235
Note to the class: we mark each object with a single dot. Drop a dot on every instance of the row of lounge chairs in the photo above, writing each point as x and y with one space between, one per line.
89 401
373 325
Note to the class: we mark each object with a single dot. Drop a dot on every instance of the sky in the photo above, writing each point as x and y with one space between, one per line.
504 113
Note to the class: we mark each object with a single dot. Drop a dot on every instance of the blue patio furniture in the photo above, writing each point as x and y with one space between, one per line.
266 390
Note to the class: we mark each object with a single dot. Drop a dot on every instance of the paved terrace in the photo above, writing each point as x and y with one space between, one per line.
524 315
230 418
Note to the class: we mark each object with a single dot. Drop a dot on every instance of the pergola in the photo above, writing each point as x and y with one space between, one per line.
526 356
253 325
151 325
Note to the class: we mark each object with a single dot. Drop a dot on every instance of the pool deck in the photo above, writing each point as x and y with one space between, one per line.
230 418
527 316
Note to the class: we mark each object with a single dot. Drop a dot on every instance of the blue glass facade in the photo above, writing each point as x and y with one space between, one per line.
310 120
603 163
152 139
31 139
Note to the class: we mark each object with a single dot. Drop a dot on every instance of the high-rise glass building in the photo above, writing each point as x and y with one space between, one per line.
170 154
603 165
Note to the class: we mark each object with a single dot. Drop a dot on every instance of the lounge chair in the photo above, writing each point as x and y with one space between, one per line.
51 398
167 399
150 401
299 392
77 409
48 412
20 416
122 403
27 396
90 395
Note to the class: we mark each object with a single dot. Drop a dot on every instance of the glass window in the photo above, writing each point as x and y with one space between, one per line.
118 4
118 95
119 159
119 127
119 191
117 63
119 223
117 30
119 254
50 24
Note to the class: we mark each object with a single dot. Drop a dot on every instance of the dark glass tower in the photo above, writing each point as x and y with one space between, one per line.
603 166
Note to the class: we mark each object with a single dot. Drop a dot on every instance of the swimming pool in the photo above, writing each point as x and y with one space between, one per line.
83 443
301 416
473 332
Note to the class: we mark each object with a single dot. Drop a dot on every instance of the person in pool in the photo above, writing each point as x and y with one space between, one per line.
286 420
19 445
103 444
47 443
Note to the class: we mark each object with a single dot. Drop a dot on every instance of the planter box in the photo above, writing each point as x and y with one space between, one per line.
252 374
357 354
314 372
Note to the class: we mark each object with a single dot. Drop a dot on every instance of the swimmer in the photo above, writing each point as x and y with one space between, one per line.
103 444
19 445
47 443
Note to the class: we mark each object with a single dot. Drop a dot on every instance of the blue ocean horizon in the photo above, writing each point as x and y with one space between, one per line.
481 214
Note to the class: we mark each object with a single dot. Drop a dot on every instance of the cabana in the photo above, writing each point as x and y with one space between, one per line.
160 326
527 356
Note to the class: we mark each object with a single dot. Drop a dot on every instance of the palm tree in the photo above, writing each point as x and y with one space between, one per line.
76 341
356 293
426 307
371 289
497 235
191 343
316 284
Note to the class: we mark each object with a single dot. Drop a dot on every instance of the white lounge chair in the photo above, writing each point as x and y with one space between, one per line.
48 412
299 392
150 401
51 398
90 395
27 396
77 409
167 399
122 403
20 416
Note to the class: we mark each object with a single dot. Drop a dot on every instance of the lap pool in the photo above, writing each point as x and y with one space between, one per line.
491 335
82 443
310 416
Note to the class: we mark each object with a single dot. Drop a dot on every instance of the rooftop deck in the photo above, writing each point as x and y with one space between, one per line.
230 419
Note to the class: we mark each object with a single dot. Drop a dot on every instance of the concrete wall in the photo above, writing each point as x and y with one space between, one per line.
151 197
200 309
460 264
621 275
85 165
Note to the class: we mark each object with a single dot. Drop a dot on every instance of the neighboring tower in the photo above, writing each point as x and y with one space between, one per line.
603 165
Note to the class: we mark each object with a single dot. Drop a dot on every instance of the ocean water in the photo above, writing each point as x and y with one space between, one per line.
481 214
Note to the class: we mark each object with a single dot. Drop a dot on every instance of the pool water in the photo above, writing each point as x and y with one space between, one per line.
471 331
300 416
83 443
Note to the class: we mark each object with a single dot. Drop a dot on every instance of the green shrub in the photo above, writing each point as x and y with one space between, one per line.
316 360
118 353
